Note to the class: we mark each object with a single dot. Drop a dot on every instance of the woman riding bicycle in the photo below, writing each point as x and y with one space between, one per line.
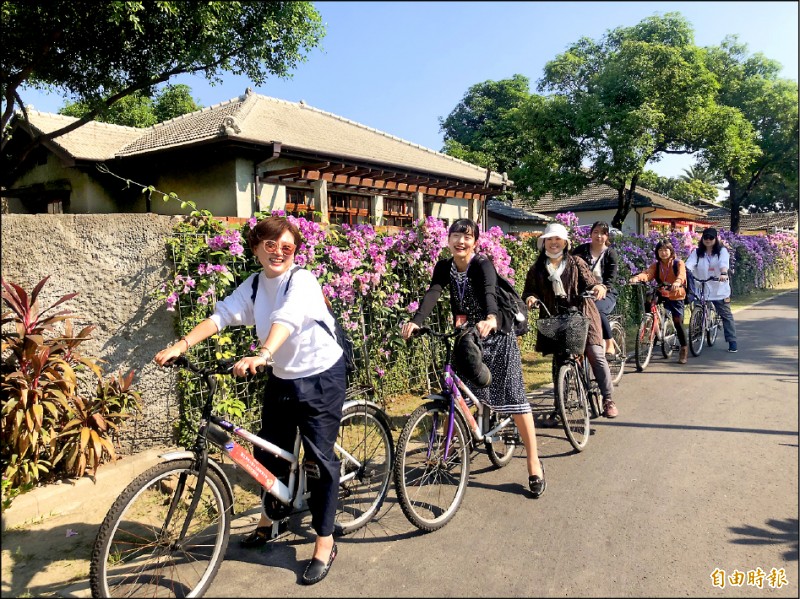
711 259
669 270
558 279
472 282
307 384
603 262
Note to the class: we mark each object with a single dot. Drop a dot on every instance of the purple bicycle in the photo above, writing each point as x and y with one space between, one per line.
431 469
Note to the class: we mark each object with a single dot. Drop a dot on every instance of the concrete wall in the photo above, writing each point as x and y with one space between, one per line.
114 262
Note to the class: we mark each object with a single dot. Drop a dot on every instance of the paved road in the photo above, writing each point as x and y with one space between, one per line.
699 472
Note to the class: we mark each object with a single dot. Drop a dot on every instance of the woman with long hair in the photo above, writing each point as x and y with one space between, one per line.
472 280
711 259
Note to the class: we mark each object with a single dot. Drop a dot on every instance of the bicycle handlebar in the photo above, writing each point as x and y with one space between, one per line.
425 330
223 366
706 280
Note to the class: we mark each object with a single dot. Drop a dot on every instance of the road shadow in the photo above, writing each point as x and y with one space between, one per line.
775 532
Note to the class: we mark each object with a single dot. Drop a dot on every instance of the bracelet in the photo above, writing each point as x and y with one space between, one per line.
183 338
266 350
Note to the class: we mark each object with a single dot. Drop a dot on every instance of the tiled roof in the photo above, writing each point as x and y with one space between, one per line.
759 221
505 212
92 141
261 119
599 196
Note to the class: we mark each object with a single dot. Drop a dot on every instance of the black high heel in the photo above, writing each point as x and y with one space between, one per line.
537 484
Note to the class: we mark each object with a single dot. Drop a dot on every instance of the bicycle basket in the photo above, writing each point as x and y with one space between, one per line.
568 331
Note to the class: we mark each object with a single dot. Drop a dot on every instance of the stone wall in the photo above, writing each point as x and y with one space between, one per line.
114 262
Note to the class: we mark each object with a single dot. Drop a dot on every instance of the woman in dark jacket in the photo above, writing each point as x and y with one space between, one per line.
603 262
472 280
557 279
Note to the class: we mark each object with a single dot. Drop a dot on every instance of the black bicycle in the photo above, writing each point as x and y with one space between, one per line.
704 323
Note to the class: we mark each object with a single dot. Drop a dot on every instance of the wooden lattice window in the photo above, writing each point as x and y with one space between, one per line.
397 213
348 209
299 202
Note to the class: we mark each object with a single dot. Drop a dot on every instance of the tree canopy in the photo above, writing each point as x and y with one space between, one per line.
139 110
100 52
481 129
608 109
757 151
619 104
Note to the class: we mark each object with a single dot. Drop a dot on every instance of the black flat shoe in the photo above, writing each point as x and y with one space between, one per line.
316 569
552 420
537 484
262 535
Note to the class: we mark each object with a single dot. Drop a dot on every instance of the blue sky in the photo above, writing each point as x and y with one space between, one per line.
399 66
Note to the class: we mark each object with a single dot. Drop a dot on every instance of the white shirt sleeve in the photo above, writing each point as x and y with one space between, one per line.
691 261
237 308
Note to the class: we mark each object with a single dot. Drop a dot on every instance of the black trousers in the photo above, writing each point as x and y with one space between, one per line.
314 404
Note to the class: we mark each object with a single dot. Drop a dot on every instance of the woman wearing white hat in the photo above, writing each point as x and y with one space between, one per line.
557 279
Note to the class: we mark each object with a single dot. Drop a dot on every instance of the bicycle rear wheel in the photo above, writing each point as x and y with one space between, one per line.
696 332
501 449
430 486
714 325
644 342
365 449
669 337
617 363
573 406
139 551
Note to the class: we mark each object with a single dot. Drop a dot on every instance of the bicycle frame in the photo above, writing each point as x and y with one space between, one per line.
452 387
244 458
455 386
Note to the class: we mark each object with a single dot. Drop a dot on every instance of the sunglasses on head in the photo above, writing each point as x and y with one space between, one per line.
287 249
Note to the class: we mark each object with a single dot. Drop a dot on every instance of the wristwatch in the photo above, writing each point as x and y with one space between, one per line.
267 355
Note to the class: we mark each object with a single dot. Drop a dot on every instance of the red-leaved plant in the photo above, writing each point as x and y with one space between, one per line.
41 397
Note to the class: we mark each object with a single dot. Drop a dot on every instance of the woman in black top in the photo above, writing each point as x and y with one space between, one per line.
472 282
603 262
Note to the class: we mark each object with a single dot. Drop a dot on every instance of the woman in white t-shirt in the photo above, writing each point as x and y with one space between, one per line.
307 385
711 259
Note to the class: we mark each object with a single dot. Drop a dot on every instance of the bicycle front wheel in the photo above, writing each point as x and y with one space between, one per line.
573 406
696 332
365 449
501 448
669 337
617 363
140 550
713 326
644 342
430 485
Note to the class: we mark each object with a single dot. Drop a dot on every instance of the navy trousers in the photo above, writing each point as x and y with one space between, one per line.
314 404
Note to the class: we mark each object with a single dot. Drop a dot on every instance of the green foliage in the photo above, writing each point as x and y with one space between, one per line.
42 396
135 110
114 49
86 438
139 110
754 144
618 104
480 129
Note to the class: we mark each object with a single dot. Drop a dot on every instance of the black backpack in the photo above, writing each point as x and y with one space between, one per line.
512 308
691 293
338 332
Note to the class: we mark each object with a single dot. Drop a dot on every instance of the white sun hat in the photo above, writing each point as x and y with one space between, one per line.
553 230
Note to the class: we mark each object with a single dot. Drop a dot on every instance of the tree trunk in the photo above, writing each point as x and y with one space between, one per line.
623 207
734 201
624 202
